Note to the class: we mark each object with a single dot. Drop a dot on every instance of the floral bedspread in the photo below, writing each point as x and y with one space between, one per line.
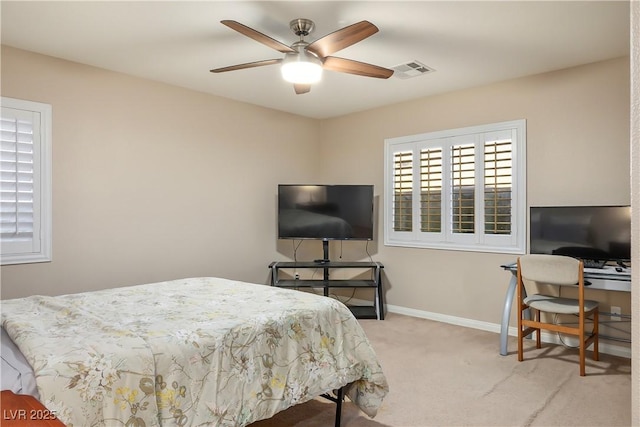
201 351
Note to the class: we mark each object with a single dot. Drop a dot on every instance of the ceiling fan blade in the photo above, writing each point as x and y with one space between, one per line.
301 88
342 38
257 36
350 66
247 65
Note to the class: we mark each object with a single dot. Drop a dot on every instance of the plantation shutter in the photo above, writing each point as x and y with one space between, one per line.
25 189
403 191
498 178
463 188
16 177
431 190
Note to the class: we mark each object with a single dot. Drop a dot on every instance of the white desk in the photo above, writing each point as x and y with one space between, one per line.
606 278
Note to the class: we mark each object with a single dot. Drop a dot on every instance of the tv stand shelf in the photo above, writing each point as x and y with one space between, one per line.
374 311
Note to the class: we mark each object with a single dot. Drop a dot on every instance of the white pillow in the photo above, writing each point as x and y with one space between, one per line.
16 374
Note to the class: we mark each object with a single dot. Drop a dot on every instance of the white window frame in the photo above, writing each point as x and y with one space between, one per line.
37 248
478 241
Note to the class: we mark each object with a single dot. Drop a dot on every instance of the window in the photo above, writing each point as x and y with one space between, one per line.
25 181
461 189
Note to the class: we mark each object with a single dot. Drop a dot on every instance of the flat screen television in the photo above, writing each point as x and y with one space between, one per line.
325 212
591 233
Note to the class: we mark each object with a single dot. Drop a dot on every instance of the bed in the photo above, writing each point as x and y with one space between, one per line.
199 351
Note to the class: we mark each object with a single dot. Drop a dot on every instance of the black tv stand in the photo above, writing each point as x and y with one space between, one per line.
325 252
373 311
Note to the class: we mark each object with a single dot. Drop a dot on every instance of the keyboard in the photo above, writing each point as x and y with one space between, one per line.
592 263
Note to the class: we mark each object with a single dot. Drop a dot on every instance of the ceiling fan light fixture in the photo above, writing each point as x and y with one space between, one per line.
301 68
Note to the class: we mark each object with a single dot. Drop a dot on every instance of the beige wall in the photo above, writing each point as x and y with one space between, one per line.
577 153
152 182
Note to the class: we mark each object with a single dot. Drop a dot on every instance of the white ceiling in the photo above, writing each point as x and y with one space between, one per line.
468 43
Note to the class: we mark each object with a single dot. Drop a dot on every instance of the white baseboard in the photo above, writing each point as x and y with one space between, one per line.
604 347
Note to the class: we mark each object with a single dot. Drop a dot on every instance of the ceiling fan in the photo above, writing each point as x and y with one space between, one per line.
303 62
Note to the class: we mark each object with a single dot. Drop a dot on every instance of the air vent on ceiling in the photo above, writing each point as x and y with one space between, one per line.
411 69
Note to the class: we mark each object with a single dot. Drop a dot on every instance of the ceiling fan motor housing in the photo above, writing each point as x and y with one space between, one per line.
302 27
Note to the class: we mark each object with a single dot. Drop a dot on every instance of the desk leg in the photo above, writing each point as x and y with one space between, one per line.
506 313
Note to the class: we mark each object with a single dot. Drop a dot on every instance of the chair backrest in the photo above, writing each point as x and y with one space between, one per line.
551 269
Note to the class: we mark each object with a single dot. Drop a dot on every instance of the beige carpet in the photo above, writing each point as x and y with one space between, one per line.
444 375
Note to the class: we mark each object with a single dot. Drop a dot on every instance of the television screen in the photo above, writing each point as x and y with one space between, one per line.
600 233
326 212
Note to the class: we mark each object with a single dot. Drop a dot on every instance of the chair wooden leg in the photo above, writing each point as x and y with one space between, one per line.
596 332
520 338
538 338
584 341
582 351
520 335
